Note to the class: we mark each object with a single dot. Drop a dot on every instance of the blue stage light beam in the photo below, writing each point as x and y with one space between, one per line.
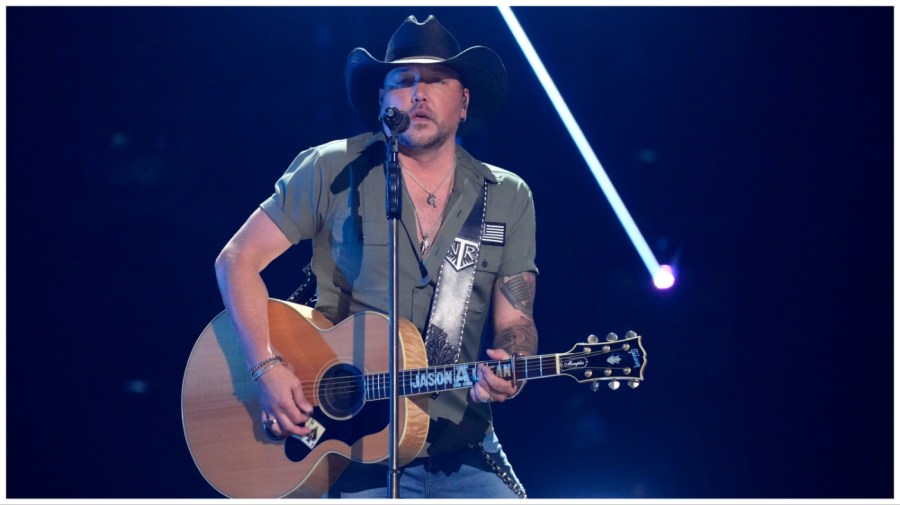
661 276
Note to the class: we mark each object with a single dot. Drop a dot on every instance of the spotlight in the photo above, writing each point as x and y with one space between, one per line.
664 277
584 147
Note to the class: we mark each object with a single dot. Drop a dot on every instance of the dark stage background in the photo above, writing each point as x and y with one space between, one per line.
753 147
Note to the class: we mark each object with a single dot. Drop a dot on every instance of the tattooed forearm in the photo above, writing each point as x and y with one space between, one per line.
521 338
519 289
514 329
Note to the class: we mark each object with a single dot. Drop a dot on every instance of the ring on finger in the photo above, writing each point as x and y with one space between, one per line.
267 428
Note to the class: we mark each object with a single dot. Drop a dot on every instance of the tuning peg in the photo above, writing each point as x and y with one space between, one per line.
592 339
634 383
614 385
595 386
611 337
630 334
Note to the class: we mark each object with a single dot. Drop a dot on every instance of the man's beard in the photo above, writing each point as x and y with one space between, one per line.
425 143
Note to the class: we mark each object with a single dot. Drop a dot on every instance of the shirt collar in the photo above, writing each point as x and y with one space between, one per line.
464 160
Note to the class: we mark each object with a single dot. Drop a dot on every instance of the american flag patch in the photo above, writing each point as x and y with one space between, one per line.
494 234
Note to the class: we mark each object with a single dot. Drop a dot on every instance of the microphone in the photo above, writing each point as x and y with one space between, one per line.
396 120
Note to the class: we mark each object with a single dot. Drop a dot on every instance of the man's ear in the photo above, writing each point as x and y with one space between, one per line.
465 106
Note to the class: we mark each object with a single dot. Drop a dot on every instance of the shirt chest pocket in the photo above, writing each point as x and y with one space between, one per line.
359 249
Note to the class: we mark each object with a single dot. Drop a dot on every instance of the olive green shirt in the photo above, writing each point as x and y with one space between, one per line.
334 194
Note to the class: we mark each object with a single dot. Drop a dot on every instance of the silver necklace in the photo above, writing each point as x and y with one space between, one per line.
426 236
432 197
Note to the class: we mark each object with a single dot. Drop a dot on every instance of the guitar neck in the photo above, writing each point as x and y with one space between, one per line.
459 375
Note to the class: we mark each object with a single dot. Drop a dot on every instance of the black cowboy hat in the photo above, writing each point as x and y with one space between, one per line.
479 67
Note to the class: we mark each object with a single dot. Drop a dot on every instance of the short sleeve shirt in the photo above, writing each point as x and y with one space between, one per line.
334 194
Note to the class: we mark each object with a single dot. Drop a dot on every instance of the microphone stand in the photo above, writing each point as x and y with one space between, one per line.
392 207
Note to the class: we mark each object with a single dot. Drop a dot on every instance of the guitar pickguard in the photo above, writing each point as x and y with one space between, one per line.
370 420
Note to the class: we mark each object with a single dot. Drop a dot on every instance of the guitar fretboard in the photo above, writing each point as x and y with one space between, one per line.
458 376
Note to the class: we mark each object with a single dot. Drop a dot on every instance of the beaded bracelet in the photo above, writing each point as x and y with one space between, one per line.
262 364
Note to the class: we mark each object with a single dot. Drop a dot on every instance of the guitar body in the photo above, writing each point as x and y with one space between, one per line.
222 416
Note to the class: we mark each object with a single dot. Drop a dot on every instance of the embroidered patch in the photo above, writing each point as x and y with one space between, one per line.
463 253
494 234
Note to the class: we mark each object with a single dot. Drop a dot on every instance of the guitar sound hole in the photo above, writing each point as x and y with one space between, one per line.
342 391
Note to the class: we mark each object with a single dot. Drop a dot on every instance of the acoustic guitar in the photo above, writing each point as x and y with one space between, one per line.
344 372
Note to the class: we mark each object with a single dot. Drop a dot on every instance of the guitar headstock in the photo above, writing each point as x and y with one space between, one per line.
612 360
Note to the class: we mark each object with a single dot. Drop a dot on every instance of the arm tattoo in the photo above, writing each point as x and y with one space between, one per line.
519 291
522 338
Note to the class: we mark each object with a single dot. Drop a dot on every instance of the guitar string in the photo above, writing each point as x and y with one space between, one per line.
356 388
354 383
524 364
521 365
493 364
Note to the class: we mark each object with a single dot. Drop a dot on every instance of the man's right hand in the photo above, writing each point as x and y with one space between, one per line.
283 400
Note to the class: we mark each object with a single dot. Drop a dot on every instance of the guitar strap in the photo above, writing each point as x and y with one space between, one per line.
444 335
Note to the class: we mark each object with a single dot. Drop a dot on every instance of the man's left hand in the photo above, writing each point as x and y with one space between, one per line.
489 387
